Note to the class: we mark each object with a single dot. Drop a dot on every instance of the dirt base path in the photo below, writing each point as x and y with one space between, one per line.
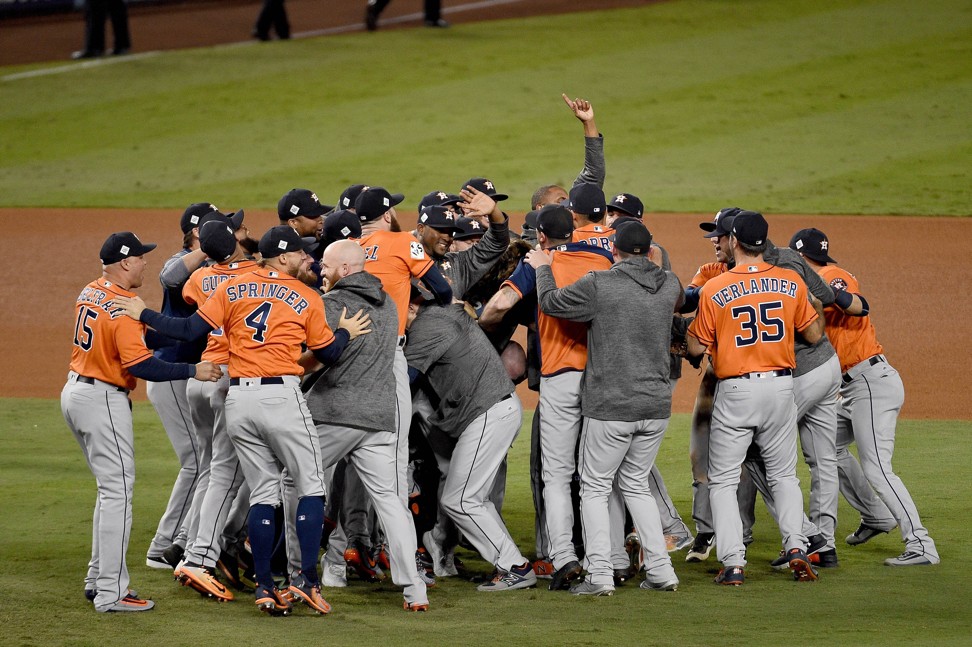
201 23
910 268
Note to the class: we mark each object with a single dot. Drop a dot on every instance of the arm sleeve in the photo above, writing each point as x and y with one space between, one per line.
438 285
477 260
691 299
331 353
155 339
183 328
594 168
577 301
155 370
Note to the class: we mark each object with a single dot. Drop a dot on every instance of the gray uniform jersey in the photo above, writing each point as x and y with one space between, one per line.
461 365
335 398
624 382
808 356
465 268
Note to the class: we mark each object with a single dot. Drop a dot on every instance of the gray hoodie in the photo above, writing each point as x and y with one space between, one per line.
359 390
630 309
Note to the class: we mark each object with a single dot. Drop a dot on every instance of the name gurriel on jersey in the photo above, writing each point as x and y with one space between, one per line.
254 290
745 287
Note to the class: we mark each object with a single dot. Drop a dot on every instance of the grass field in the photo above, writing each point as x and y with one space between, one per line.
45 532
804 106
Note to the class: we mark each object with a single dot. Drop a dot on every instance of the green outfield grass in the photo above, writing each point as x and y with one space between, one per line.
45 534
808 106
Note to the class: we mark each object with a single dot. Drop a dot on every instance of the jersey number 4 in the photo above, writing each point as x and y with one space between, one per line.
758 324
257 321
83 335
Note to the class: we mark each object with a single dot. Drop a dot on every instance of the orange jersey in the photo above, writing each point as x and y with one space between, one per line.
706 272
197 291
595 234
266 316
563 343
394 257
106 340
853 338
747 316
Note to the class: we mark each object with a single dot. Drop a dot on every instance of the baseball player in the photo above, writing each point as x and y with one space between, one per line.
220 476
625 394
365 429
266 315
587 203
871 397
479 409
564 355
169 398
432 12
746 319
109 353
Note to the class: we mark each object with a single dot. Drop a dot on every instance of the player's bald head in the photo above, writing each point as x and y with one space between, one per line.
345 252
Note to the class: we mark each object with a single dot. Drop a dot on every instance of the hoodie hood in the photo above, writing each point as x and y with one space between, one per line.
364 285
642 271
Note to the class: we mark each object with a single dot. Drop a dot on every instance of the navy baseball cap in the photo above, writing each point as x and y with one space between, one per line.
217 240
439 198
483 185
530 220
301 202
587 199
339 225
750 228
627 203
468 228
813 244
194 213
282 239
349 195
721 225
122 245
555 221
441 218
632 237
375 201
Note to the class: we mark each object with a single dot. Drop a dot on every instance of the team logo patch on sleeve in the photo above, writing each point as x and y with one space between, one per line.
416 251
838 284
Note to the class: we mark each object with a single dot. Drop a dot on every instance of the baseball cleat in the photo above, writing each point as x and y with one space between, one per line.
269 600
622 575
543 569
632 546
518 577
825 559
229 567
158 562
731 576
203 580
173 555
443 562
415 606
359 558
566 574
382 558
335 576
864 534
310 594
130 602
587 588
701 547
803 570
90 594
911 558
675 543
662 585
816 543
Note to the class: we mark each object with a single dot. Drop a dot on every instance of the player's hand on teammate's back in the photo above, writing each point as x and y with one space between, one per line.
132 306
356 325
208 372
537 257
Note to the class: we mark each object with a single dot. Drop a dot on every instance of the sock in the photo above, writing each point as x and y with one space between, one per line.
261 529
310 526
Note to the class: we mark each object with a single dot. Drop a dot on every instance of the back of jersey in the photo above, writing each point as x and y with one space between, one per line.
747 317
395 257
854 338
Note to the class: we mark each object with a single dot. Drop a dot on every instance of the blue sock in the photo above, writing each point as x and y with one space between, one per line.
310 526
261 528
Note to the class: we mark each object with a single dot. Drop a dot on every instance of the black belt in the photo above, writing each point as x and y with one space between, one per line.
871 361
783 372
506 397
90 380
235 381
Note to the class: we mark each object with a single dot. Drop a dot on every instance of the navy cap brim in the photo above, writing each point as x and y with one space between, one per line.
395 199
707 226
236 219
